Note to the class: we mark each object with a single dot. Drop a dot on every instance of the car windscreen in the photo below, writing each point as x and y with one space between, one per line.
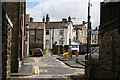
74 46
38 50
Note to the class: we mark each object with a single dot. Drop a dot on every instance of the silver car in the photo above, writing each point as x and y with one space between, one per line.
94 55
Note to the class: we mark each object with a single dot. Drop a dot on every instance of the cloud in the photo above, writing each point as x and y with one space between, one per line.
58 9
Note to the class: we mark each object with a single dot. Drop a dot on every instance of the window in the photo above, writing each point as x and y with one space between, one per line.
32 32
61 32
95 37
80 32
47 42
61 42
47 32
74 46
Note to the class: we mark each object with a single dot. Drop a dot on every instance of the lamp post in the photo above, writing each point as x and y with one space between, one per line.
27 34
89 40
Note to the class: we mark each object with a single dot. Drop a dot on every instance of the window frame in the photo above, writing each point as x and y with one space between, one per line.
47 32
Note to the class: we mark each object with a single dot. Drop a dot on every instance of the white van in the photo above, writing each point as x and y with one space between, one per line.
74 47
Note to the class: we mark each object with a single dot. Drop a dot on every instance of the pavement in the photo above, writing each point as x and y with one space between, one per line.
25 69
80 63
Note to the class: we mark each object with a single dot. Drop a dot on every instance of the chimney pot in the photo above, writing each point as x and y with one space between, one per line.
69 18
64 20
43 19
31 19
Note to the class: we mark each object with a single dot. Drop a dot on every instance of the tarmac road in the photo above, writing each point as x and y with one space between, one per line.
45 68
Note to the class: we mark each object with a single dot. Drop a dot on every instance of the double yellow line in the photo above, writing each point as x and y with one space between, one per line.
36 60
36 68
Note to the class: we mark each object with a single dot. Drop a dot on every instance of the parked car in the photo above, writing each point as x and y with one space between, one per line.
37 52
83 50
94 55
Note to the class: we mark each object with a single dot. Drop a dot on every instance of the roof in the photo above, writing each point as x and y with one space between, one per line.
37 25
79 26
57 25
94 32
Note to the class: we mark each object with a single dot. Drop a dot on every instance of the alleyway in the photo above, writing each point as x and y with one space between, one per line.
45 68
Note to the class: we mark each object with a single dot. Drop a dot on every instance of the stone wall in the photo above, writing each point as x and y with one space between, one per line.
92 69
0 40
9 44
12 9
109 41
6 44
37 39
109 56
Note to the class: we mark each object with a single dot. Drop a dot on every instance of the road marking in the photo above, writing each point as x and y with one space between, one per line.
36 60
41 70
63 64
36 70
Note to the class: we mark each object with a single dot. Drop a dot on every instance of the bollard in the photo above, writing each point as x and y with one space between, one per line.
65 55
77 54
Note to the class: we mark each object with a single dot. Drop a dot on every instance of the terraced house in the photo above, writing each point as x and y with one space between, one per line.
59 33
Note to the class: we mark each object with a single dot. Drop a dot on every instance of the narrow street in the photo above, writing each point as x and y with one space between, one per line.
45 68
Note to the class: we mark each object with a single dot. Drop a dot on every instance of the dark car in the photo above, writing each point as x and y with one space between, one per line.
37 52
83 50
94 55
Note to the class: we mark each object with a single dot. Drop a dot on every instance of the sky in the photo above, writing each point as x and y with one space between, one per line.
58 9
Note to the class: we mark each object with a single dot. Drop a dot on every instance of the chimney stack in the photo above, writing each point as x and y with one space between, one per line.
31 19
64 20
47 19
96 28
43 19
83 22
69 19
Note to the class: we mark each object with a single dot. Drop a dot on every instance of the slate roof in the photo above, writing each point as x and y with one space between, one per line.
79 26
94 32
37 25
56 25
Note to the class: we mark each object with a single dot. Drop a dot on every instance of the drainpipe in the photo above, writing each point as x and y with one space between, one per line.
35 35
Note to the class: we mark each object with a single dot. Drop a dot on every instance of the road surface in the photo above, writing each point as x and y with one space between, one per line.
45 68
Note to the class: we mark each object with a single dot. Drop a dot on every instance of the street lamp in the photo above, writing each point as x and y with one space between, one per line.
89 40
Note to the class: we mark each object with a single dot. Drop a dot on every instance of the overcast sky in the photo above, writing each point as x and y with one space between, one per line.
58 9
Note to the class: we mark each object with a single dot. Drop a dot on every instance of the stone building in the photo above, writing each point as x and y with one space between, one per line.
6 44
36 32
0 39
94 37
12 36
107 67
109 41
81 33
